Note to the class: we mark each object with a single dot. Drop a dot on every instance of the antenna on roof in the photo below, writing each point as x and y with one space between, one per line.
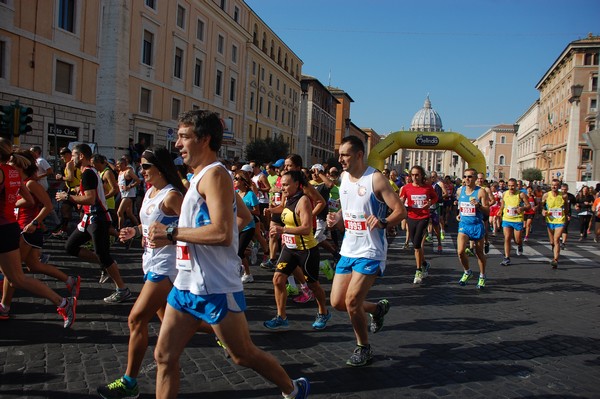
329 84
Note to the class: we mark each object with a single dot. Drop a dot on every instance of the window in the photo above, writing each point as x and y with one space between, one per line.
586 155
223 4
151 4
66 15
219 83
200 30
262 74
236 14
232 90
234 54
177 67
594 83
145 96
276 112
593 104
260 105
502 139
501 160
251 101
64 77
180 17
268 109
175 108
147 48
198 73
270 79
253 68
2 59
220 44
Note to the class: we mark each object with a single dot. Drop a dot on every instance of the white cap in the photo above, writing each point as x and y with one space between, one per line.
247 168
317 166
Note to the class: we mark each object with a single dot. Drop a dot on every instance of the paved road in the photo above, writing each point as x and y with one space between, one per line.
533 333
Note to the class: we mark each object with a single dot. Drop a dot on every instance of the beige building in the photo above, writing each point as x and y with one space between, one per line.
105 71
496 146
343 123
525 145
568 107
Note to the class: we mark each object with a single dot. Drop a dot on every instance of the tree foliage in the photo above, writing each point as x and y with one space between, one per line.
532 174
267 150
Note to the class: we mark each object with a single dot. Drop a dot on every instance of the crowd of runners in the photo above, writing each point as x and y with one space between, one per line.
203 224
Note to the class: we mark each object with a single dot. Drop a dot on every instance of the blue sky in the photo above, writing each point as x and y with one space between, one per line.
479 60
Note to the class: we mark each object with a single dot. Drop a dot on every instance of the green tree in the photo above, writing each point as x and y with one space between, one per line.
532 174
267 150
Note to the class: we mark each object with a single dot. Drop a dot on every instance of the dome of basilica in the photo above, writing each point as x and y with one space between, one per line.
426 119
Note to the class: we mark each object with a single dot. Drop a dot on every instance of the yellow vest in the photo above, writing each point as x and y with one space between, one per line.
511 203
555 209
295 241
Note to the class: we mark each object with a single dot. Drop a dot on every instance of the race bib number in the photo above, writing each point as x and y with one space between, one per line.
418 200
289 240
556 213
183 258
355 223
467 209
512 211
334 205
145 230
277 199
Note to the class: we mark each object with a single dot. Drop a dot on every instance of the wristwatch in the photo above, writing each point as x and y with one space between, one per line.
35 223
383 222
170 231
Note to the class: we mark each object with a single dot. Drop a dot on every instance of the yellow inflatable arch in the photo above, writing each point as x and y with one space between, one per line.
427 141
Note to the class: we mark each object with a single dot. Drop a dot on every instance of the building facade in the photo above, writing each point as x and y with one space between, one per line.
105 71
496 145
568 107
525 145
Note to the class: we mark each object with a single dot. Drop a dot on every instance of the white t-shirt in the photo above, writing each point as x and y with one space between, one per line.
42 166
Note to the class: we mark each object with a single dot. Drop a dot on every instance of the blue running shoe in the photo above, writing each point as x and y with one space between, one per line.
321 321
303 388
277 323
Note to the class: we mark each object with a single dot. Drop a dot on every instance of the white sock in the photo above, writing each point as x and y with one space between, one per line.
63 303
292 394
292 281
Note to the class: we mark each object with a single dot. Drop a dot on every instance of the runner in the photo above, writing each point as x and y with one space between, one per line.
512 206
554 205
495 219
365 195
529 214
473 202
207 287
128 181
244 188
481 182
584 202
419 198
71 176
564 187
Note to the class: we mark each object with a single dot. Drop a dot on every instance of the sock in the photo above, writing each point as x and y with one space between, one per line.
481 275
292 281
130 382
122 289
468 271
63 303
292 394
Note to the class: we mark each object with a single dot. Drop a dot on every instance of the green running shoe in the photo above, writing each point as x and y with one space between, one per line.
118 390
465 277
292 291
481 283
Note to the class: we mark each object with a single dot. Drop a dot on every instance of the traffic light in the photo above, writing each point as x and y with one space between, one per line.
22 115
6 121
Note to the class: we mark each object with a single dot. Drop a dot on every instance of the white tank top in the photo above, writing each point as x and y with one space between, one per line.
206 269
358 202
158 260
263 198
131 193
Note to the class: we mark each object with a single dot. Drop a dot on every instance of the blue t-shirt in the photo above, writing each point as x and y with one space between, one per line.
251 201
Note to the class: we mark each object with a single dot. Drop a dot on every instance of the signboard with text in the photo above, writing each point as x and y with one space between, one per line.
64 131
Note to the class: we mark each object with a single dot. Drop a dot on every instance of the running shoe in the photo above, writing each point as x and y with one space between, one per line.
425 269
383 306
505 262
439 249
303 388
486 247
60 234
247 278
73 284
418 277
253 254
519 249
277 323
321 321
554 264
118 390
442 235
45 258
118 296
467 275
103 277
326 269
562 246
481 283
429 238
4 312
304 297
362 356
222 345
405 245
268 265
526 239
596 239
469 252
68 312
291 291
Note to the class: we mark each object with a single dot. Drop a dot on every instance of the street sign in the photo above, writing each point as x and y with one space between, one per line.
170 135
557 174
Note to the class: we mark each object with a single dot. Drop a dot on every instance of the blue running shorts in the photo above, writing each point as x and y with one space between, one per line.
517 226
154 278
360 265
210 308
554 226
475 231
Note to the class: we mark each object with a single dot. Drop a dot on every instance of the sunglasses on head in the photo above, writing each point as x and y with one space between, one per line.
147 166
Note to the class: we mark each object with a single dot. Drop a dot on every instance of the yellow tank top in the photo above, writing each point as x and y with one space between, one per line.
292 241
555 212
76 180
110 202
510 212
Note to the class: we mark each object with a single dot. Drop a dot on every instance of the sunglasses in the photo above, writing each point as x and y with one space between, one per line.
468 176
147 166
416 174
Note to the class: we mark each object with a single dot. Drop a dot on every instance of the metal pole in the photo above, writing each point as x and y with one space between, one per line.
55 140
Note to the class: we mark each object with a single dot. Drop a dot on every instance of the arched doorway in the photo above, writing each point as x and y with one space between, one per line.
427 141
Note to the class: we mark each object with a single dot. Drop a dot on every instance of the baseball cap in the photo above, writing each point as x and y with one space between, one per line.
279 163
317 166
247 168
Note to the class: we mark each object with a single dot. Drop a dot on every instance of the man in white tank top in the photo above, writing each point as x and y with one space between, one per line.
207 287
365 195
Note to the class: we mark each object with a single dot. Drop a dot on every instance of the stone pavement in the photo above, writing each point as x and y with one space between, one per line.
533 333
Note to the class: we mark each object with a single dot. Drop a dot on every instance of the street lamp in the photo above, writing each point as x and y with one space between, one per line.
491 163
347 127
302 129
